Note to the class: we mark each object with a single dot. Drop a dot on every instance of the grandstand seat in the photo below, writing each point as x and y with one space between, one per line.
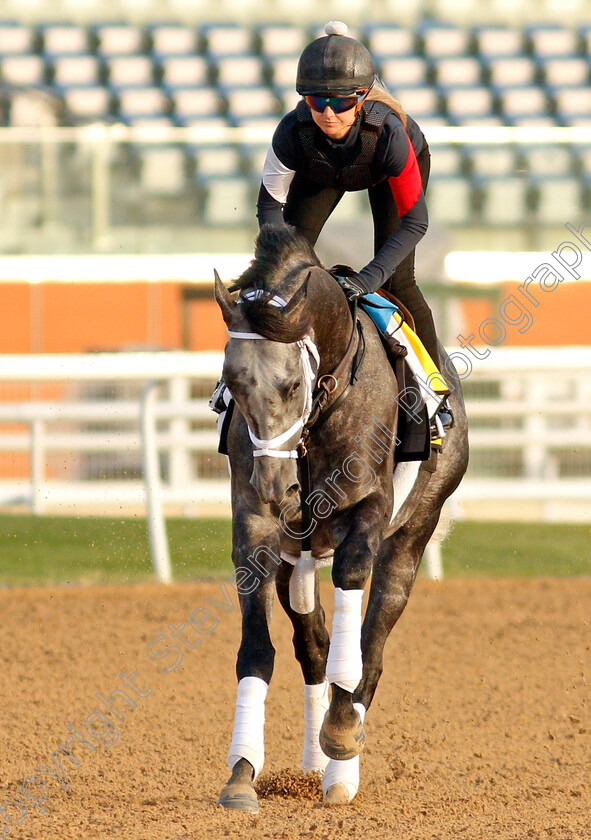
572 102
288 97
558 199
449 199
582 159
282 70
503 201
192 103
227 201
162 170
408 70
548 160
178 70
446 160
254 157
239 71
510 71
516 103
566 70
457 70
419 101
128 70
75 70
251 102
26 70
135 102
546 40
462 104
224 39
62 38
275 40
87 102
442 39
15 38
389 41
173 39
118 39
584 33
216 160
492 160
494 41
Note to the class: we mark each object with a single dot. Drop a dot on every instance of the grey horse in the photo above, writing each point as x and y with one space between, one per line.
308 380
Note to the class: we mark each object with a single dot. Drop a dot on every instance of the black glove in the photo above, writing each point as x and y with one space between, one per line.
351 286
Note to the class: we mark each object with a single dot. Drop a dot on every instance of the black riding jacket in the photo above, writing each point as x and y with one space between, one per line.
394 159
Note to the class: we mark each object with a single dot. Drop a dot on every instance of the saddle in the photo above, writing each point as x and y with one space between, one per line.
415 418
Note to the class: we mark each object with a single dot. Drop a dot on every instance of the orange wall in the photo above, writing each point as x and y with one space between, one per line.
563 316
72 318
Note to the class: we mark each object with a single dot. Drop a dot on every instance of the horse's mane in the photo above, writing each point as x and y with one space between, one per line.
280 254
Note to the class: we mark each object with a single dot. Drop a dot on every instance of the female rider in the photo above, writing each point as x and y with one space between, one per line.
348 133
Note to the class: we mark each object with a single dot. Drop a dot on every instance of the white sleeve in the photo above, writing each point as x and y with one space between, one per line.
276 177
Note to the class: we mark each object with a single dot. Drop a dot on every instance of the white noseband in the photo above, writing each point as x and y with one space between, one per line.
308 351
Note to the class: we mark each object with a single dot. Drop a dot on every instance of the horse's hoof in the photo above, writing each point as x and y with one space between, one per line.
337 795
239 797
238 794
340 743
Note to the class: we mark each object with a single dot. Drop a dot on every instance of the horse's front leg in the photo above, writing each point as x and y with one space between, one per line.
255 575
342 736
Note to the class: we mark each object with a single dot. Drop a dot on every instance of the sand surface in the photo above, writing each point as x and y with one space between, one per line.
480 728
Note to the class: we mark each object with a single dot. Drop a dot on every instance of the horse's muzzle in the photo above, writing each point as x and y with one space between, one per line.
272 478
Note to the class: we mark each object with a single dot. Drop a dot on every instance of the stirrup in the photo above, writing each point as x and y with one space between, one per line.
445 415
441 423
217 402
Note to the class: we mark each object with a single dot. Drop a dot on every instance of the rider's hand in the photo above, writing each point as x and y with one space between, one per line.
351 286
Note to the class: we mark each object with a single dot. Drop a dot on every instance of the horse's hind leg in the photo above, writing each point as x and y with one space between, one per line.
310 641
393 577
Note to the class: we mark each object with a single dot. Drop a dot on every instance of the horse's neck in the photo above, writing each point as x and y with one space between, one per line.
333 326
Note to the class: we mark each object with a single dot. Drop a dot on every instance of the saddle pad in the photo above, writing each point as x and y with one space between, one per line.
388 319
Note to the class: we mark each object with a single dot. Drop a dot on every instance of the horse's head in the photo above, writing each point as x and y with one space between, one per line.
270 367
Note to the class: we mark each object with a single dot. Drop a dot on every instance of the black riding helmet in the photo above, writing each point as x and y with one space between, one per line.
334 65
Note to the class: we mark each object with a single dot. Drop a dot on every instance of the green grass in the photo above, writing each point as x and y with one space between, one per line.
36 550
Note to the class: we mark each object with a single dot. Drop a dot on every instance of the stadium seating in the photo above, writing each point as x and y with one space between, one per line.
221 74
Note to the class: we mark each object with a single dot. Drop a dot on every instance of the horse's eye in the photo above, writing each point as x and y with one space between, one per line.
294 388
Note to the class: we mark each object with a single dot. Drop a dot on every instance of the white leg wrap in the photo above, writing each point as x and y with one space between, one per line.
344 772
316 702
248 738
301 584
344 666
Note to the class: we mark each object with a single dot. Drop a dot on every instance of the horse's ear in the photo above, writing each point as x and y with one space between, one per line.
298 301
224 299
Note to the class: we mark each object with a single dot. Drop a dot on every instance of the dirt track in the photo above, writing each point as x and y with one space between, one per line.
481 726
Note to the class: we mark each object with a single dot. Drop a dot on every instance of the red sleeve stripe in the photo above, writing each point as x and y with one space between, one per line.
406 187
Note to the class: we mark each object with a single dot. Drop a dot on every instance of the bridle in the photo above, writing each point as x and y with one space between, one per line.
308 354
317 399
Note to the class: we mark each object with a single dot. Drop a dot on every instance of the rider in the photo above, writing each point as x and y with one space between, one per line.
348 133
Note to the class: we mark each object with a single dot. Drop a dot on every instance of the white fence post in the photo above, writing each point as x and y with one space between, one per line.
154 511
433 561
37 465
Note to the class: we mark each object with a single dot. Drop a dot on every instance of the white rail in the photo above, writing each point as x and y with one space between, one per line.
530 408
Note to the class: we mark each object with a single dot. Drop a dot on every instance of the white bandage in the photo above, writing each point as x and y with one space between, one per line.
316 702
302 584
248 738
344 772
344 666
